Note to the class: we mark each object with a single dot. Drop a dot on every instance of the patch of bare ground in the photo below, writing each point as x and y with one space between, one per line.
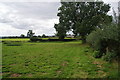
15 75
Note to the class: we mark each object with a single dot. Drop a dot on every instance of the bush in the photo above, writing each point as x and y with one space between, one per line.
97 54
106 33
34 39
109 56
94 39
105 39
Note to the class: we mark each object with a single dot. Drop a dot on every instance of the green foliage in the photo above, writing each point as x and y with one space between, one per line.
109 56
105 39
43 36
97 54
39 36
82 17
22 35
94 39
30 33
61 31
107 32
34 38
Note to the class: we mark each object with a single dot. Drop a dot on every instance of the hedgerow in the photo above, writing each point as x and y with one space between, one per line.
105 40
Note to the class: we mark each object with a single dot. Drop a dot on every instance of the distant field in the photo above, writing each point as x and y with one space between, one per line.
27 39
53 60
15 39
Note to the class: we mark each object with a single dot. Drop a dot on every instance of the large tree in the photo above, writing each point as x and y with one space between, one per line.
63 26
61 31
82 17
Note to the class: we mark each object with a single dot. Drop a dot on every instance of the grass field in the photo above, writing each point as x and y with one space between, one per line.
27 39
54 60
15 39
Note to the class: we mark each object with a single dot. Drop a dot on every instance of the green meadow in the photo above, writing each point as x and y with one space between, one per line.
53 60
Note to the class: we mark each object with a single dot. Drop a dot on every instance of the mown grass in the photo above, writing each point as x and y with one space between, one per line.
54 60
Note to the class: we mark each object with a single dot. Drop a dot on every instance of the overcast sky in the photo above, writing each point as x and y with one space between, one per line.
18 17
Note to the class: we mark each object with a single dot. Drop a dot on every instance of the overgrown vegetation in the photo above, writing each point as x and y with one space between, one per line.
106 41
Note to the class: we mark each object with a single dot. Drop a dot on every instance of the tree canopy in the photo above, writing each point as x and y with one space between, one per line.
81 17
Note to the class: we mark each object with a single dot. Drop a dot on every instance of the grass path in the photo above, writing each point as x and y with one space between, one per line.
54 60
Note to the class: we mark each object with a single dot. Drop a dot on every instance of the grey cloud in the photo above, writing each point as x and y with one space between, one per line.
40 10
3 20
27 15
24 26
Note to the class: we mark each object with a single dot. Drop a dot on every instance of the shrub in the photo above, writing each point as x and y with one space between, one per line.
107 32
97 54
109 56
94 39
104 39
34 39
